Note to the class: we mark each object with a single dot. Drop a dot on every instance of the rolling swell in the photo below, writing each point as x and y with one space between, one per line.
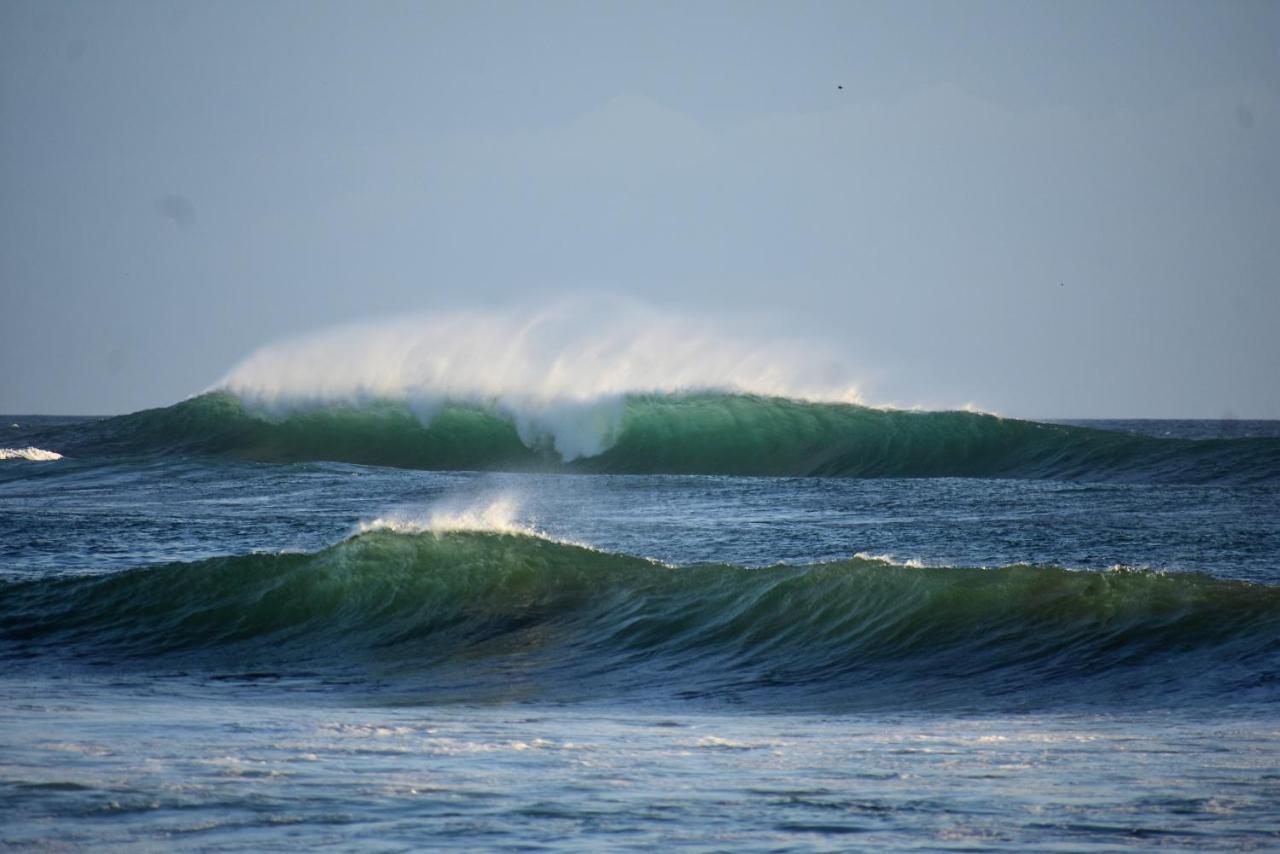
705 433
480 615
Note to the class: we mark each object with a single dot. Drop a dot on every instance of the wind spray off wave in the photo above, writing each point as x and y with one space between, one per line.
561 375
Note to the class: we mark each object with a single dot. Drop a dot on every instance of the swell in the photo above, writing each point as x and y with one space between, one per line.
704 433
471 614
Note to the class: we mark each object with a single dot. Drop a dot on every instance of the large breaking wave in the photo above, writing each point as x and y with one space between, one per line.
478 614
560 375
622 392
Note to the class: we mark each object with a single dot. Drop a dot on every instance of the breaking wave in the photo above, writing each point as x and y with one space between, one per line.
692 433
622 391
560 375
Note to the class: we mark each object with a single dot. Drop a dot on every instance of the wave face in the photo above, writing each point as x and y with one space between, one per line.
702 433
472 614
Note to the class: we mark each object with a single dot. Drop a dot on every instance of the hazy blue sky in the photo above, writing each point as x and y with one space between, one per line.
1048 209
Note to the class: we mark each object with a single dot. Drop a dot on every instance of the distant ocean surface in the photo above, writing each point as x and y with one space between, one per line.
708 621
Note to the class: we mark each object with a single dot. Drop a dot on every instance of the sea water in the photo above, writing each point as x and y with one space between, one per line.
248 637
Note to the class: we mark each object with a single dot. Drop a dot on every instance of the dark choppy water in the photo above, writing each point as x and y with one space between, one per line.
229 650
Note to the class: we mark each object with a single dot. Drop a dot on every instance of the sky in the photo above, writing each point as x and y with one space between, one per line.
1065 209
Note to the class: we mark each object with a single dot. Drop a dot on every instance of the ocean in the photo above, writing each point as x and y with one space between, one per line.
718 621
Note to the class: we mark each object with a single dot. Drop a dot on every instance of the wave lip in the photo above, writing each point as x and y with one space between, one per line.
30 453
467 614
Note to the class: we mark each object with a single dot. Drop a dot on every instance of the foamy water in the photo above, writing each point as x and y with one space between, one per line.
502 514
30 453
497 516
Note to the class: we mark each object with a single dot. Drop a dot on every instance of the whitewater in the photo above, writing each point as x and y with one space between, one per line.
594 579
32 454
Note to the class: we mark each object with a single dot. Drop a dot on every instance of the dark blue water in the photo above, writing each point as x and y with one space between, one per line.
200 650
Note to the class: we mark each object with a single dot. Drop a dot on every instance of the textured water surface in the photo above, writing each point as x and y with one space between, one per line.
242 637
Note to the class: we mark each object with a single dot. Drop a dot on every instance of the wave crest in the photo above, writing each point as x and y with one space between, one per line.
499 516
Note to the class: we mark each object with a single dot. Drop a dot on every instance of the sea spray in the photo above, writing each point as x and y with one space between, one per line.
561 375
497 516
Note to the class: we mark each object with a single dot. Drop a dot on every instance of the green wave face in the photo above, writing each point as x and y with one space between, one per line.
475 614
379 433
688 434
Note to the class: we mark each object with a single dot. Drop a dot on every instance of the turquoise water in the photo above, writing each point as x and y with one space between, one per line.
214 640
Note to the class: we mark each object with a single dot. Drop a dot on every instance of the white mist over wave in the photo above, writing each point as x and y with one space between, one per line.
34 454
499 515
561 374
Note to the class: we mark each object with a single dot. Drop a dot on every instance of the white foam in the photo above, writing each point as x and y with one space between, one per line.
910 563
498 516
562 374
31 453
